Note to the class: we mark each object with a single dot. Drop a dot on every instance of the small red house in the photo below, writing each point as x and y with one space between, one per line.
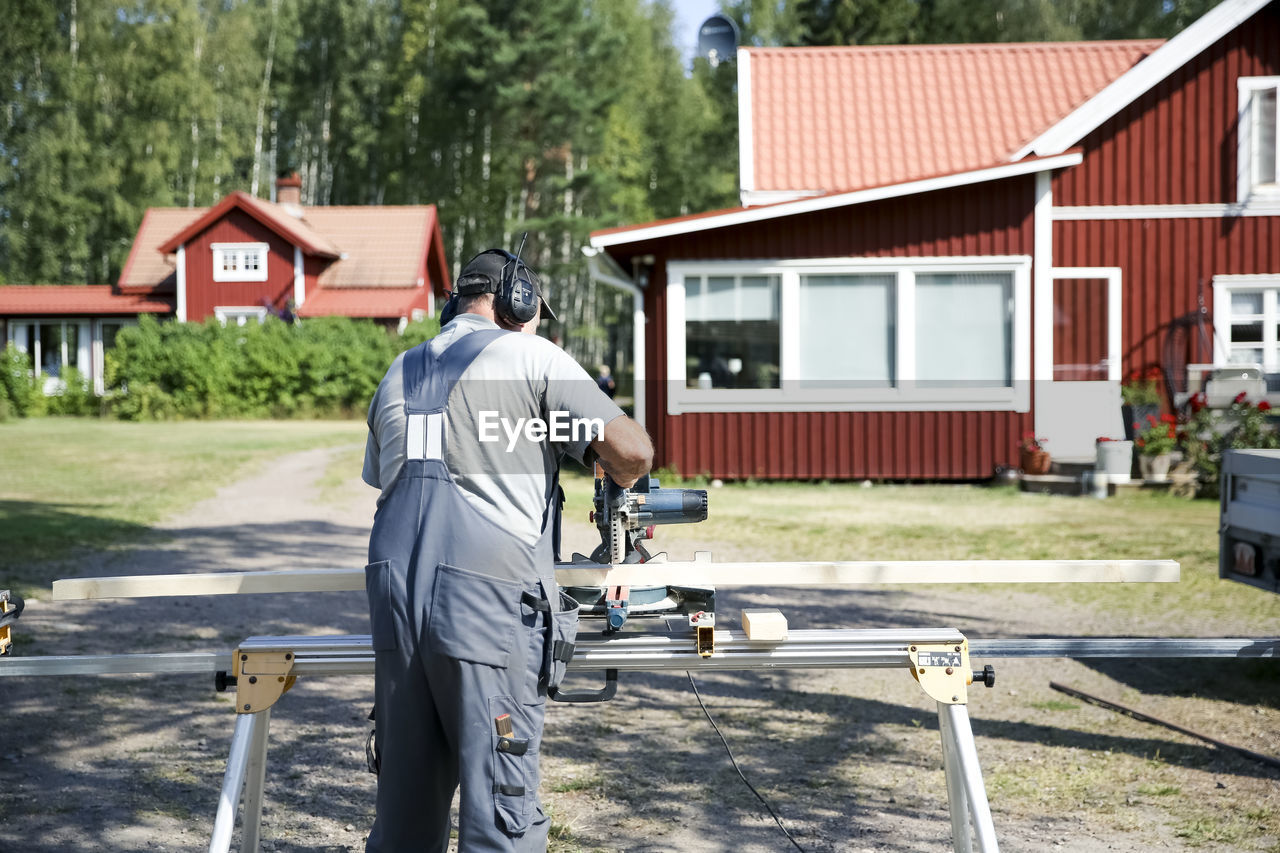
941 248
238 261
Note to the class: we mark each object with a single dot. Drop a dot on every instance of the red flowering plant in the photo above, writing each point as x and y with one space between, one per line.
1157 436
1208 432
1142 387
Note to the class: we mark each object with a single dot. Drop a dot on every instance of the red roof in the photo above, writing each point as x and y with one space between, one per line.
842 118
293 228
380 302
49 300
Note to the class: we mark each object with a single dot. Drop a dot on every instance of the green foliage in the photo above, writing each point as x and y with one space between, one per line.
1209 432
17 390
74 397
324 367
1157 436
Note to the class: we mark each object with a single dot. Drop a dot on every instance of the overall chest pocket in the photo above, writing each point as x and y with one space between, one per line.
474 616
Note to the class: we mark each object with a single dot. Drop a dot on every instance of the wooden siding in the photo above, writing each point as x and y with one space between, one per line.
1167 265
204 294
1177 143
992 219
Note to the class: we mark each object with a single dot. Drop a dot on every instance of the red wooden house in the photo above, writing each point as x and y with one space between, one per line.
238 261
942 248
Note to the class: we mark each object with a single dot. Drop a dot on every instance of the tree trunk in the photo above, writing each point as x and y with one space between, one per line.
262 100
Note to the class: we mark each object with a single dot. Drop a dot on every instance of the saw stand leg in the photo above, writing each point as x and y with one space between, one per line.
247 771
965 789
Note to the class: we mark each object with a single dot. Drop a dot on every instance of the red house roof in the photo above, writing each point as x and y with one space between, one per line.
844 118
364 302
293 228
47 299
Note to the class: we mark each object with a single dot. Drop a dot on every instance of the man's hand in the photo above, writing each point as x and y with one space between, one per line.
625 451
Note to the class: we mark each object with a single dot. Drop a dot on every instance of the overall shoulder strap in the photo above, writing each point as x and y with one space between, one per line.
429 378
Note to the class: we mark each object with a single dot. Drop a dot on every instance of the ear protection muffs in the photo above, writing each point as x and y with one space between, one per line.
516 301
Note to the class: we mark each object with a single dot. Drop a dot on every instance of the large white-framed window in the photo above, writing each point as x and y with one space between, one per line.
54 344
239 315
849 334
1246 320
239 261
1257 143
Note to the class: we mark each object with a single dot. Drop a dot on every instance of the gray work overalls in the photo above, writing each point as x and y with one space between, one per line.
463 634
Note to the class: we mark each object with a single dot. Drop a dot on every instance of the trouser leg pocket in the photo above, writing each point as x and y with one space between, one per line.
515 765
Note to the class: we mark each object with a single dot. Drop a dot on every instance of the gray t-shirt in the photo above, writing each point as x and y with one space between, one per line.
491 442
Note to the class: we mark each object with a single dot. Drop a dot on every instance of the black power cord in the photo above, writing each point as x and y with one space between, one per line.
734 761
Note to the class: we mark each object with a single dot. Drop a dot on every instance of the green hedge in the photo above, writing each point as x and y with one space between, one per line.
324 367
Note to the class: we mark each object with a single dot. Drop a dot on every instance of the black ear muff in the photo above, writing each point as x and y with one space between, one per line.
450 309
517 300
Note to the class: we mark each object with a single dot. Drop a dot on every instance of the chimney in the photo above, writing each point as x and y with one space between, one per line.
289 193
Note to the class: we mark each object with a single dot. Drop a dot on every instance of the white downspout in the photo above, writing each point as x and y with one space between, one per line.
299 280
598 273
180 311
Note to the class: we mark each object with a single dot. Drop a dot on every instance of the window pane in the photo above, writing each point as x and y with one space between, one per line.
1246 355
1246 303
964 329
1264 136
109 332
51 349
731 332
1246 333
847 329
73 344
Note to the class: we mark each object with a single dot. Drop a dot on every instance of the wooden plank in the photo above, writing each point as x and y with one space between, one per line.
699 573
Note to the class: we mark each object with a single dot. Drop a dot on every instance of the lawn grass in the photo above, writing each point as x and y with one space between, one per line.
846 521
70 483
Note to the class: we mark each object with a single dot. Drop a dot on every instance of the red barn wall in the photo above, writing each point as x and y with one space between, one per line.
1177 143
204 294
988 219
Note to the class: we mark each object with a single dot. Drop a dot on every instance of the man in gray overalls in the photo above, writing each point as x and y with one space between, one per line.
469 627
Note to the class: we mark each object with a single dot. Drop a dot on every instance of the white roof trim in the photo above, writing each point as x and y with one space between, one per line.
746 142
1141 78
827 202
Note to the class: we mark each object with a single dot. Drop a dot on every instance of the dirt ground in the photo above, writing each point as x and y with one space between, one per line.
850 759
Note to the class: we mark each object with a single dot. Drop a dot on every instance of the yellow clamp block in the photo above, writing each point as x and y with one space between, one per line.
942 670
261 679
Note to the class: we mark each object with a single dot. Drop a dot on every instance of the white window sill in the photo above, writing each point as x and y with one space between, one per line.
997 399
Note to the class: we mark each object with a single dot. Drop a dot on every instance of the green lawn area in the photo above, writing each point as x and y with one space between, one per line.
67 483
844 521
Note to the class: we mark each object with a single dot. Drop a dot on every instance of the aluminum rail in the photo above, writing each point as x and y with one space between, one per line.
352 653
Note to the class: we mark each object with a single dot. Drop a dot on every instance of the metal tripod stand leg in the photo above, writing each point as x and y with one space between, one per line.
965 789
247 761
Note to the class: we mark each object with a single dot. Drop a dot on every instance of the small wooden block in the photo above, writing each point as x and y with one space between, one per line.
764 624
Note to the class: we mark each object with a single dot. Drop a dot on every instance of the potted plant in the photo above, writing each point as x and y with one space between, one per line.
1156 439
1140 397
1035 459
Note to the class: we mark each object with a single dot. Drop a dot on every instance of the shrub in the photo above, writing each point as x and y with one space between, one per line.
17 388
323 367
1209 432
75 398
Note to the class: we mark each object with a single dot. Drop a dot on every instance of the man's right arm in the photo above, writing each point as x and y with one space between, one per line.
625 451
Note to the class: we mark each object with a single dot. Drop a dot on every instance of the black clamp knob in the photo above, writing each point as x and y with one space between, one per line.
986 675
221 681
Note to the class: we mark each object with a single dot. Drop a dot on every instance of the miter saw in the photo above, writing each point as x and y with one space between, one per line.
626 518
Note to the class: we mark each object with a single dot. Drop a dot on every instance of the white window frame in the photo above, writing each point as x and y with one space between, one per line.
1223 288
1246 150
239 313
239 251
793 396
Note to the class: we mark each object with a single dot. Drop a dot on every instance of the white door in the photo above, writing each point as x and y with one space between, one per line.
1077 395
